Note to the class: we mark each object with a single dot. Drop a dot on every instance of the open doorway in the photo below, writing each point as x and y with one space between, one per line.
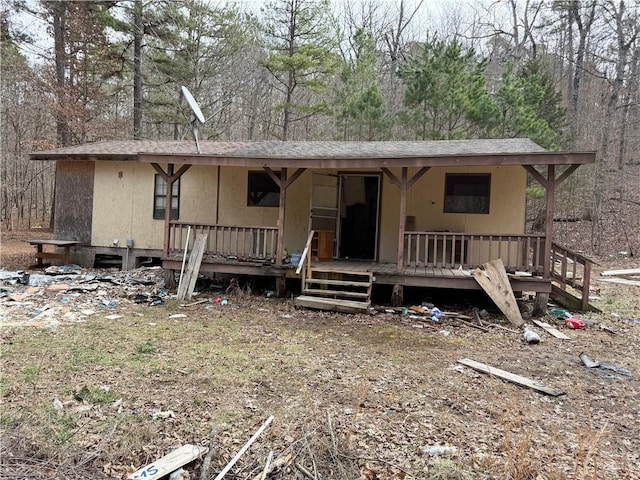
359 206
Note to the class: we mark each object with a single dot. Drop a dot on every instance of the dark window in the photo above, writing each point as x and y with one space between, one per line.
160 198
467 193
262 191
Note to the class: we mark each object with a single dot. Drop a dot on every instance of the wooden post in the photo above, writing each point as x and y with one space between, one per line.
402 219
397 295
548 229
540 304
281 216
167 210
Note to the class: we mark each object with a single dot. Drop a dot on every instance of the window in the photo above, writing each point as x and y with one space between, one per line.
160 197
467 193
262 191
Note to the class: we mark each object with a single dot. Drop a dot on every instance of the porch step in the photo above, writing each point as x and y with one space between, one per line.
332 304
342 283
321 292
340 291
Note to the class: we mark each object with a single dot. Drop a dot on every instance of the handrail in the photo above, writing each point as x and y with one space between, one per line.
469 250
305 252
227 240
563 257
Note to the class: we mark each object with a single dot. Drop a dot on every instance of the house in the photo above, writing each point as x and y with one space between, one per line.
419 213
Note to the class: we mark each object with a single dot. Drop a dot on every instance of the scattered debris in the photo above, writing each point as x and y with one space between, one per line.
574 323
155 414
530 336
551 330
511 377
588 362
440 450
244 448
592 364
169 463
178 315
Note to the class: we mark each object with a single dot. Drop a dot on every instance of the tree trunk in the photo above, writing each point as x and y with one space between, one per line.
138 33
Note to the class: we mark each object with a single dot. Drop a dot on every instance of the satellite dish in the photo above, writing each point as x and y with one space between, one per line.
196 114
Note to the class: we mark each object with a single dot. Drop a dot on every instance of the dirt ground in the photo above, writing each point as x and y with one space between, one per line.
102 394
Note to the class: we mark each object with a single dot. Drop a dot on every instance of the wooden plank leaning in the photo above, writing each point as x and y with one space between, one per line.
193 268
494 281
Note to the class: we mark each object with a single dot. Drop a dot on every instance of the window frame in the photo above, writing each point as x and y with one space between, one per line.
158 212
252 181
449 206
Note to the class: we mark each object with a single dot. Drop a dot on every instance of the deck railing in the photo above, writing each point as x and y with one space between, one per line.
571 269
470 250
243 242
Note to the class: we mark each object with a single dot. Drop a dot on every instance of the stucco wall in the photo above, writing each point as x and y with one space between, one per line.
425 202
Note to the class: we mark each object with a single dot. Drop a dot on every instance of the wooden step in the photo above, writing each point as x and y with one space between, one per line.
341 272
342 283
338 293
332 304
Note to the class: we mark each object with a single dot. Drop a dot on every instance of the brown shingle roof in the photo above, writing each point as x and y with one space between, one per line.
324 154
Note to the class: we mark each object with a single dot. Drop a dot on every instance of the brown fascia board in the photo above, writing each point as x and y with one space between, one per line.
535 158
83 157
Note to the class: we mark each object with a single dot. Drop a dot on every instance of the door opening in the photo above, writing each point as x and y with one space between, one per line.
359 205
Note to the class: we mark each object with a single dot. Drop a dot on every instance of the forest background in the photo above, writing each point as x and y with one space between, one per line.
564 73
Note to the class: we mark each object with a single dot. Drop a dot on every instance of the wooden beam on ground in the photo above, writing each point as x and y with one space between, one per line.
554 332
193 268
621 273
494 281
169 463
621 281
511 377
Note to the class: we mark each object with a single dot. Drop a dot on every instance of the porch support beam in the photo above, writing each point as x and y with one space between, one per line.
536 175
283 183
170 177
402 220
404 183
548 225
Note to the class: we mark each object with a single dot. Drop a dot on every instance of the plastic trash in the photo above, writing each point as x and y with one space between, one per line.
530 336
440 450
559 313
575 323
108 303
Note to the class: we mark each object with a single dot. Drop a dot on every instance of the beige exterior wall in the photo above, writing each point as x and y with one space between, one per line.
425 202
123 204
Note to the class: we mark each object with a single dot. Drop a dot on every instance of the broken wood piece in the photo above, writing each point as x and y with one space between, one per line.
267 464
621 273
551 330
472 325
494 281
276 464
305 472
206 463
621 281
169 463
192 304
244 448
476 314
193 268
511 377
455 315
495 325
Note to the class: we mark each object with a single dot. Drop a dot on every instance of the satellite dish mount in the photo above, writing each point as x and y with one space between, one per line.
195 116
